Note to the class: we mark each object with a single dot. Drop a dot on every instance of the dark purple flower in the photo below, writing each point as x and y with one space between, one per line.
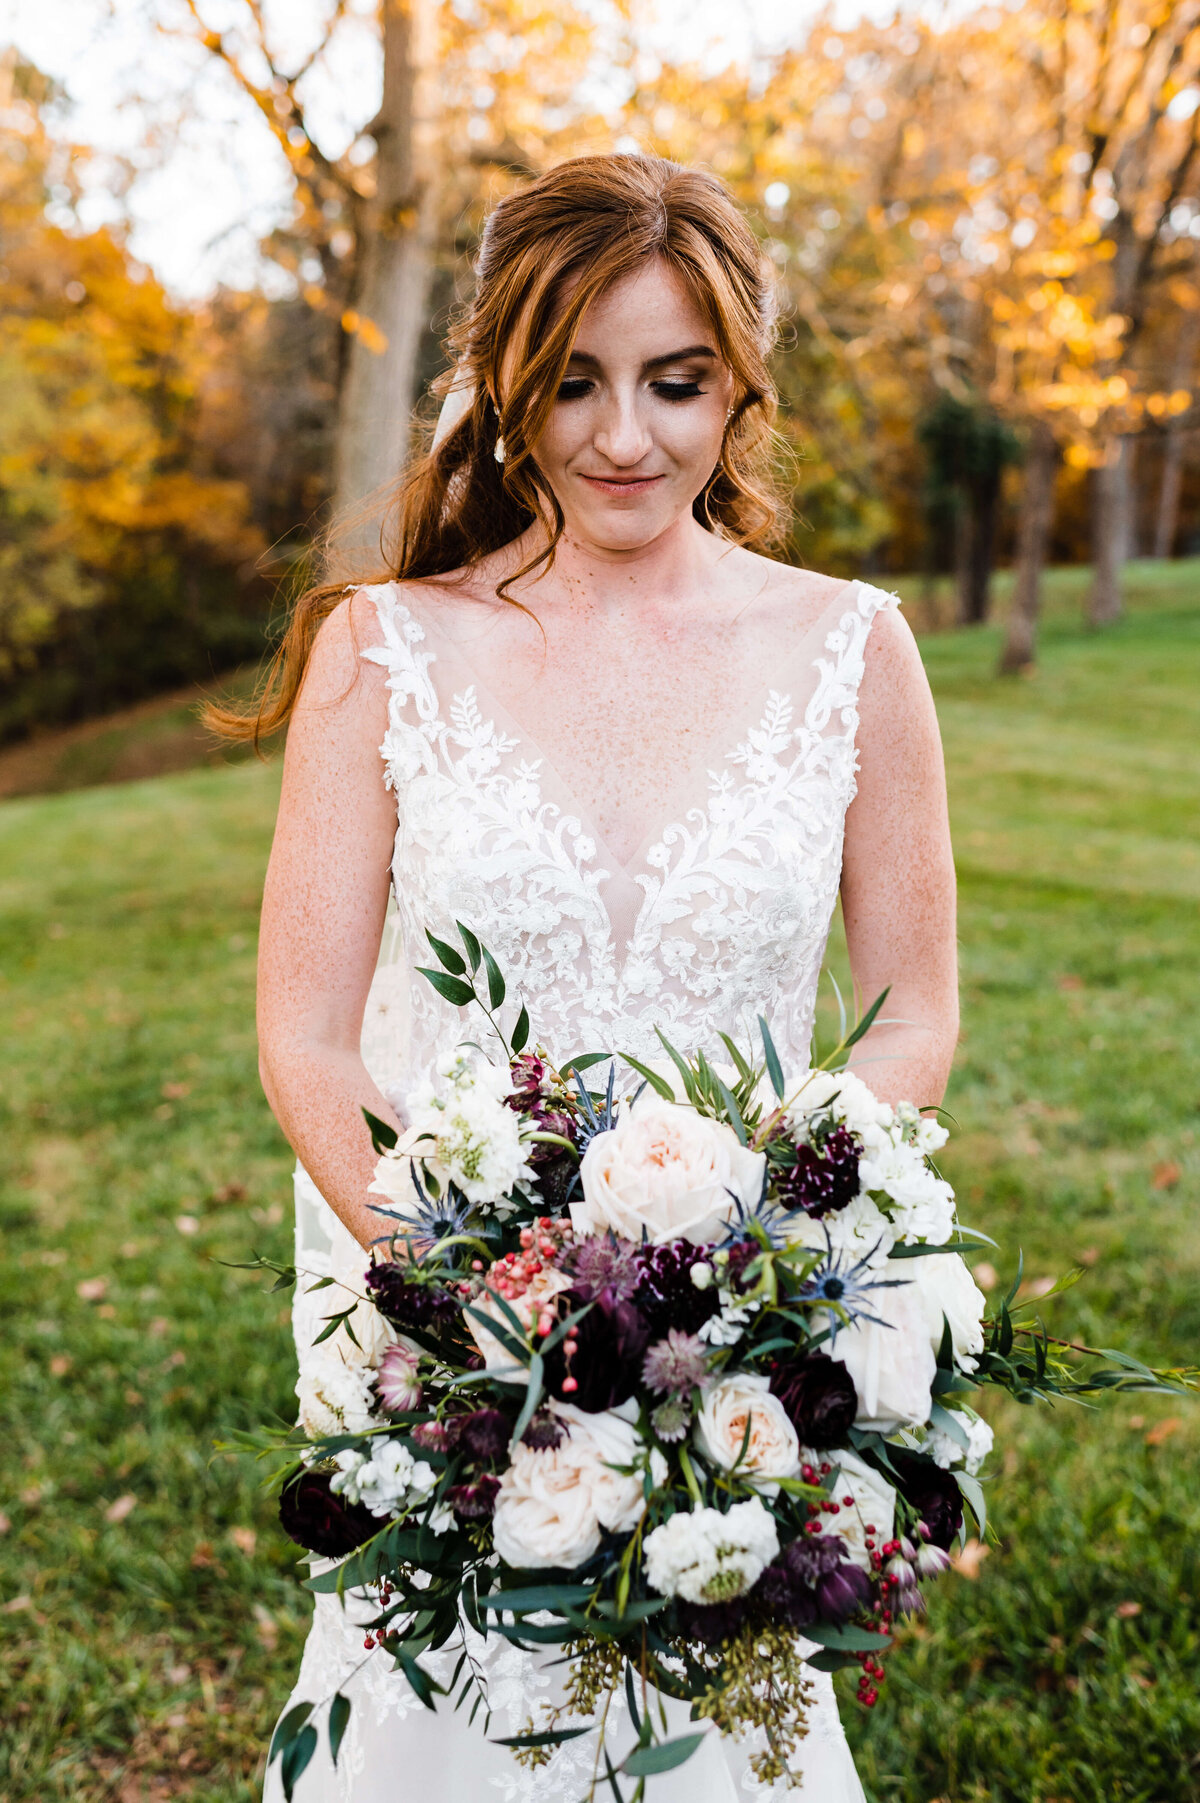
314 1517
544 1432
710 1622
606 1362
484 1435
932 1492
665 1296
818 1397
824 1177
812 1579
529 1072
408 1304
475 1501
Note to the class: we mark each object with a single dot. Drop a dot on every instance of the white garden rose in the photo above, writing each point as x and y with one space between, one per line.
552 1504
547 1284
665 1172
705 1556
947 1289
728 1405
872 1504
892 1364
945 1450
855 1104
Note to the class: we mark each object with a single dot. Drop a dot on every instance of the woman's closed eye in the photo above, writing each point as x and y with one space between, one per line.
576 388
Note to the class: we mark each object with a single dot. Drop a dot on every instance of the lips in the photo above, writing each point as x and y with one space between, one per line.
629 485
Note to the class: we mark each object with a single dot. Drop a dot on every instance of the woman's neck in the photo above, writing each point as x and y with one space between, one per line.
666 574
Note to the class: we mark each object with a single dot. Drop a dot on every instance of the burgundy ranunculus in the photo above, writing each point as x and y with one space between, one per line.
932 1492
483 1435
314 1517
475 1501
529 1072
824 1178
710 1622
666 1296
818 1397
408 1304
607 1361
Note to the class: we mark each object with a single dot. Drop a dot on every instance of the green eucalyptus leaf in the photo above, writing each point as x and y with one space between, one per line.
663 1757
295 1759
520 1033
450 958
287 1728
451 989
339 1721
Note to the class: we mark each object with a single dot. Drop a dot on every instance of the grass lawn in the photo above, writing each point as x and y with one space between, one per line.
149 1619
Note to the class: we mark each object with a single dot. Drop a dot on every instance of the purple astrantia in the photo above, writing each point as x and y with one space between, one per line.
676 1364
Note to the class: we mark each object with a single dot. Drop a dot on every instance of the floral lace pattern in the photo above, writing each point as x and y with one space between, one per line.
736 896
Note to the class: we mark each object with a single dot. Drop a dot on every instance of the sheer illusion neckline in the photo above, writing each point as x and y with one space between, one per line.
512 742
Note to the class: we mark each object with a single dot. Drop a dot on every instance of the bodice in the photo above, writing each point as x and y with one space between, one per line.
723 913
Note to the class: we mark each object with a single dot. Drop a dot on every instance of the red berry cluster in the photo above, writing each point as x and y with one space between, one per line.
381 1636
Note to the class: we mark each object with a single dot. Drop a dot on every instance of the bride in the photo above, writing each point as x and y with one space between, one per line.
637 756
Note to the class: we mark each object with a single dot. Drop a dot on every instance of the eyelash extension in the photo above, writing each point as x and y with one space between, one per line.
575 388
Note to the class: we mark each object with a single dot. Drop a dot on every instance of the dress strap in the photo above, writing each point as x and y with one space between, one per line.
408 744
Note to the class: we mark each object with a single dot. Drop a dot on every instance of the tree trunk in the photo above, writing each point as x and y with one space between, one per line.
1166 524
385 323
1112 530
1033 540
975 597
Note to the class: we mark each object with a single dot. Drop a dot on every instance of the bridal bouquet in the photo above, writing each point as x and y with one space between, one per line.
672 1373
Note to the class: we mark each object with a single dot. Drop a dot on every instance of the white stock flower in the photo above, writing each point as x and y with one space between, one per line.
666 1171
335 1396
921 1203
553 1503
705 1556
948 1289
872 1504
467 1135
853 1103
924 1131
728 1406
892 1364
387 1479
857 1231
945 1450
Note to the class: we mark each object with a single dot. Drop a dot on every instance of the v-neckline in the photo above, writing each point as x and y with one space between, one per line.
637 868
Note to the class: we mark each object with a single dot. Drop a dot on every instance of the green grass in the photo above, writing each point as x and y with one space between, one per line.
153 1650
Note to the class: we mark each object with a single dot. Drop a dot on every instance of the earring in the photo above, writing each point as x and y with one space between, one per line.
498 453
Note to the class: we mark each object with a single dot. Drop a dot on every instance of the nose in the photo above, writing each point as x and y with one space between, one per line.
620 435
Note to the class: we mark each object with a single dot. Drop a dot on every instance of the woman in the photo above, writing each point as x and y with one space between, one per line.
635 755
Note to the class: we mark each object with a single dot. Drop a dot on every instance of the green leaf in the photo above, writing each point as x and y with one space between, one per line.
681 1065
495 981
335 1321
520 1033
339 1721
584 1062
847 1638
739 1059
295 1759
868 1020
734 1112
950 1424
474 951
533 1395
972 1489
774 1068
830 1661
383 1137
449 957
657 1082
645 1761
423 1685
451 989
532 1597
287 1728
553 1737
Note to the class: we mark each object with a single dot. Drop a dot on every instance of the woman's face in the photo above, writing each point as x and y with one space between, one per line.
636 430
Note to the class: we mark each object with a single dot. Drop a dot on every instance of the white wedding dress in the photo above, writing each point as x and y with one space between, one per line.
723 914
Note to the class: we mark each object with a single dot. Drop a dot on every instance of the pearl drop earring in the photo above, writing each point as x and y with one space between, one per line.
498 453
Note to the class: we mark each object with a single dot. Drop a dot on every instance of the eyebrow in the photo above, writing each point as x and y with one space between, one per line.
692 350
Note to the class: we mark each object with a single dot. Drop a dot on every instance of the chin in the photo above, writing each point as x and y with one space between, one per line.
624 527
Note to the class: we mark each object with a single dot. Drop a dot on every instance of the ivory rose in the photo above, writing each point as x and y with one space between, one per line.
553 1503
948 1290
772 1451
665 1173
892 1365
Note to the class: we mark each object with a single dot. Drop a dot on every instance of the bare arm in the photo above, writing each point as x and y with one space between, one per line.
323 910
898 876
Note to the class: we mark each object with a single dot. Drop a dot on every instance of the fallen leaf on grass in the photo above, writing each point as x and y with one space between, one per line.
245 1539
1089 1256
124 1505
16 1604
268 1633
1167 1175
967 1561
159 1325
5 1523
229 1192
1128 1610
175 1092
1163 1430
1135 1422
60 1364
92 1289
1069 980
986 1276
187 1224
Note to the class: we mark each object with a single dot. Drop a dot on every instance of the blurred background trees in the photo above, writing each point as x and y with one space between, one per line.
986 232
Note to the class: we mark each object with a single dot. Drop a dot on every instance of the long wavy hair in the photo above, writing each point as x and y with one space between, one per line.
546 253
